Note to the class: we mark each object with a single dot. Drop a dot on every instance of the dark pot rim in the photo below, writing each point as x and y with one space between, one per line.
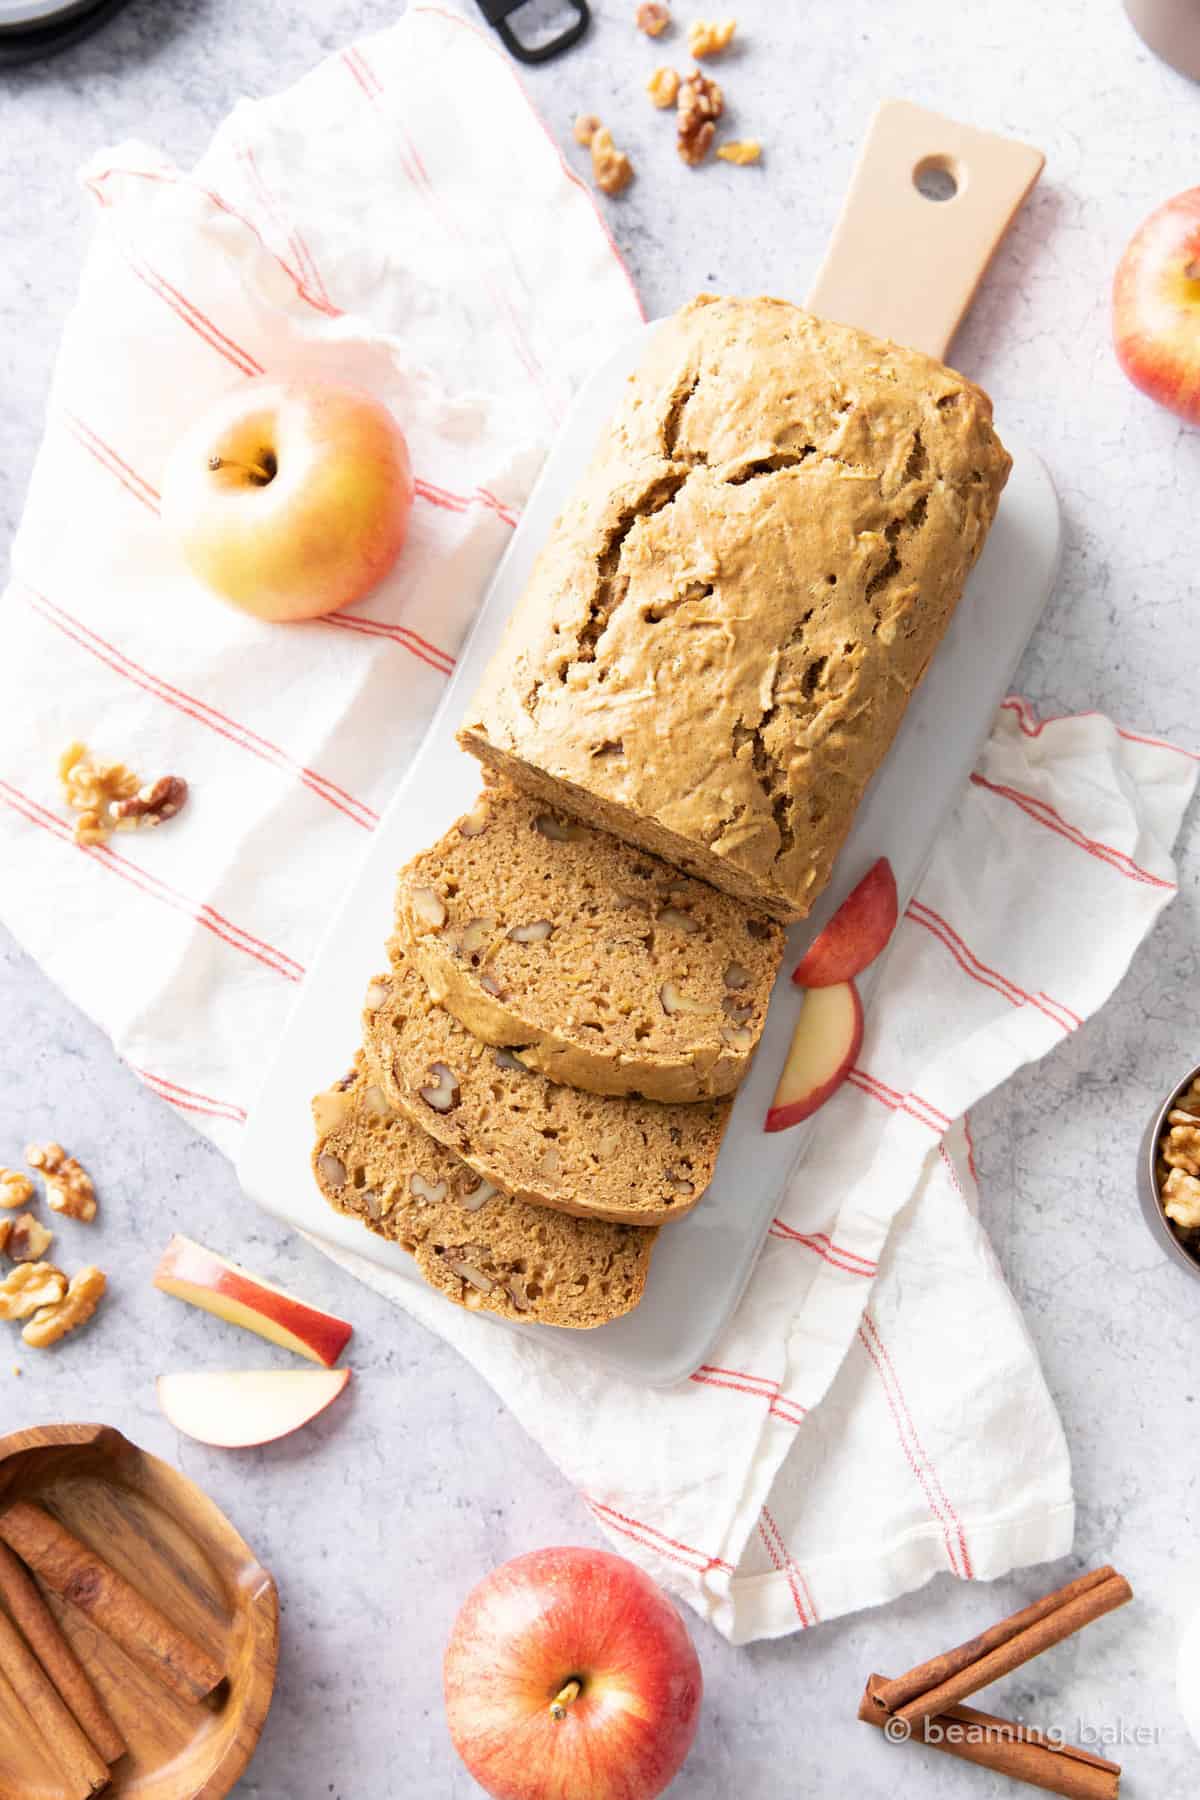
1157 1220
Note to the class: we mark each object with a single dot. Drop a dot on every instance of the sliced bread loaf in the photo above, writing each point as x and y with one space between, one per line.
606 968
471 1242
730 615
638 1162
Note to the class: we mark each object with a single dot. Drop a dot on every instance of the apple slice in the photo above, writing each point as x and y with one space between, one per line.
826 1041
856 934
236 1408
192 1273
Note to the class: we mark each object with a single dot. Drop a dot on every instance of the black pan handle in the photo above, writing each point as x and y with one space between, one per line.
498 12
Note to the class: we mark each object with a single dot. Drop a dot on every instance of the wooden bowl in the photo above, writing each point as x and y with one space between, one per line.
168 1539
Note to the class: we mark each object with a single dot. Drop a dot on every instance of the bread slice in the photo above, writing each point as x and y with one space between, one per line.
637 1162
605 968
482 1250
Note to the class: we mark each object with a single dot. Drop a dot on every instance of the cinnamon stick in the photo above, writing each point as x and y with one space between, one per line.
83 1768
928 1675
945 1680
38 1626
1017 1751
75 1572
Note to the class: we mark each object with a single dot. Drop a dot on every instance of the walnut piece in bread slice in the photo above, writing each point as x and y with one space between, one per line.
630 1161
609 969
482 1250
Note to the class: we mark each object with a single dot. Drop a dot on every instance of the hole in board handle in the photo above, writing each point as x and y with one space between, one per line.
939 178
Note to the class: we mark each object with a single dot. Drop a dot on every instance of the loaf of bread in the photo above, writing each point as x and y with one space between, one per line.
603 967
720 637
634 1162
470 1241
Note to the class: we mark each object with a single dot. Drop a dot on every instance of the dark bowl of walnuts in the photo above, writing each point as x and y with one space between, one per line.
1169 1173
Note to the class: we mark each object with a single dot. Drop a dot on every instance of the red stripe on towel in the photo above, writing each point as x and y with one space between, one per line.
200 911
1044 814
918 1460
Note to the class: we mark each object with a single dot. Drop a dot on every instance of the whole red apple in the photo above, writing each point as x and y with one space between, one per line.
1156 306
290 498
570 1676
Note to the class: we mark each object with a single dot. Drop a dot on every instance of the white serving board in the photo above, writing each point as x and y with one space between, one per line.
703 1262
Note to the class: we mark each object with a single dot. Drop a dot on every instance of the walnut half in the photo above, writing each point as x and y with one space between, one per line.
707 37
69 1187
15 1189
25 1239
701 104
153 804
663 87
28 1287
74 1308
611 168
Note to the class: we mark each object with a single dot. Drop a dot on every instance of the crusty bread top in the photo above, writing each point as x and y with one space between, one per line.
603 966
636 1162
721 635
470 1241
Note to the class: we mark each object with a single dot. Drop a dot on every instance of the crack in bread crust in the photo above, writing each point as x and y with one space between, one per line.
743 593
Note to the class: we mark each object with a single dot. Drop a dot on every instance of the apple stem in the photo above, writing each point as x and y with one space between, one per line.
262 473
563 1699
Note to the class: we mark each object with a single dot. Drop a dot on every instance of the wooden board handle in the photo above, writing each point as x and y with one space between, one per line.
905 266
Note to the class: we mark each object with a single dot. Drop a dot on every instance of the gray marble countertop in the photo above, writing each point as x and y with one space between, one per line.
421 1470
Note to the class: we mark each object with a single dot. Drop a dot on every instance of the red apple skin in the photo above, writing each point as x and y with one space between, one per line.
857 933
271 1311
793 1112
532 1626
1156 306
327 524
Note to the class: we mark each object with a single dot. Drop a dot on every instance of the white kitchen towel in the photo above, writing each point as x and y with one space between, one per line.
875 1412
399 219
